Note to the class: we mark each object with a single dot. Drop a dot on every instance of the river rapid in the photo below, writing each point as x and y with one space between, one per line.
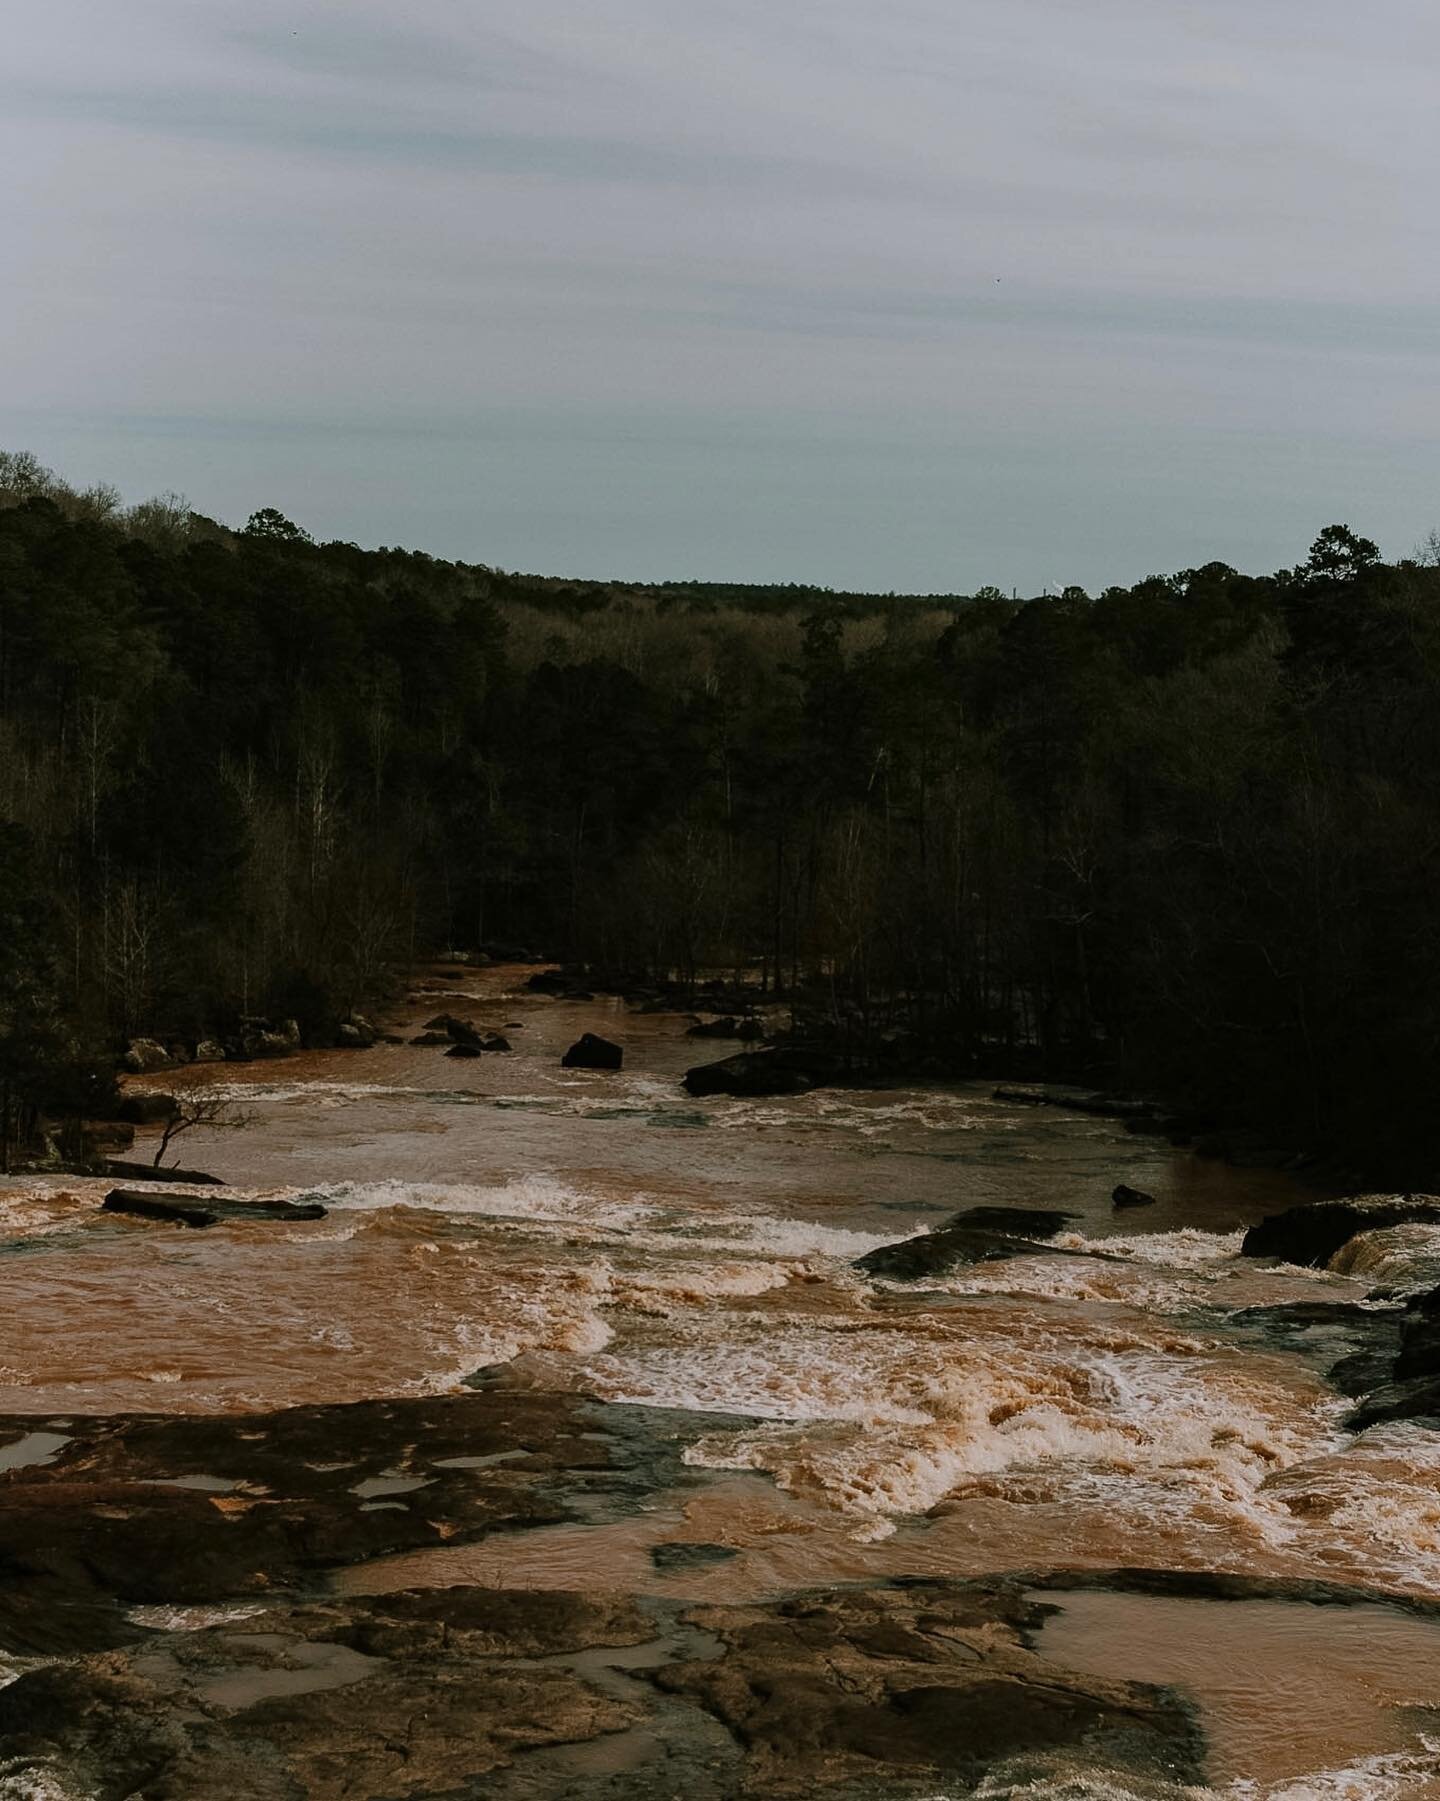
506 1220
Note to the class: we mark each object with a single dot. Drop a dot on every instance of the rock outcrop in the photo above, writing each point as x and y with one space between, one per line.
977 1235
592 1052
1311 1234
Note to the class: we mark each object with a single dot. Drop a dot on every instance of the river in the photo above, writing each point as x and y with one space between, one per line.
503 1219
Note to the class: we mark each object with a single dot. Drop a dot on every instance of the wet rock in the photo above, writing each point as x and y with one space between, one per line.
1359 1344
788 1069
592 1052
728 1027
432 1038
689 1556
496 1042
920 1683
1418 1400
147 1172
977 1235
282 1706
355 1034
464 1049
1311 1234
459 1031
204 1210
148 1109
1126 1196
144 1055
102 1519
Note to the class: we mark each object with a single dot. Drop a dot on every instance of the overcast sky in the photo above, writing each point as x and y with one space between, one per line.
909 294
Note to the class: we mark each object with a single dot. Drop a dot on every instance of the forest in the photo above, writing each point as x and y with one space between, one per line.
1181 835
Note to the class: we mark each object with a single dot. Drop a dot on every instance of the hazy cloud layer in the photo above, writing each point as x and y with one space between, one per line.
916 295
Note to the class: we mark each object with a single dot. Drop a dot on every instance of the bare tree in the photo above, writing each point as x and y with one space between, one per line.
208 1107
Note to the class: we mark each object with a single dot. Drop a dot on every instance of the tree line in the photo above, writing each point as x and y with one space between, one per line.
1182 834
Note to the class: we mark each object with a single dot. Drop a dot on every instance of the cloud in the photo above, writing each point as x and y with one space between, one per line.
882 283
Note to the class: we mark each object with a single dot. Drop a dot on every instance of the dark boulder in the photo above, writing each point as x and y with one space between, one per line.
355 1034
496 1042
728 1027
1126 1196
788 1069
591 1052
433 1038
463 1049
204 1210
459 1030
1417 1400
551 981
1311 1234
977 1235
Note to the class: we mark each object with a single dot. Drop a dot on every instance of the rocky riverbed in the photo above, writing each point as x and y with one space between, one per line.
584 1437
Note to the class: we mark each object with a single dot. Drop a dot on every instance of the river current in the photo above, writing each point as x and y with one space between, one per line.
606 1234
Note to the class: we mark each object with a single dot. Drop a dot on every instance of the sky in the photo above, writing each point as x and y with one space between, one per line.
886 294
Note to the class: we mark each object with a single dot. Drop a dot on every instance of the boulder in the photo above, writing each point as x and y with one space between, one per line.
460 1031
728 1027
433 1038
142 1055
592 1052
976 1235
355 1034
204 1210
550 981
1312 1233
1126 1196
463 1049
209 1050
788 1069
496 1042
148 1109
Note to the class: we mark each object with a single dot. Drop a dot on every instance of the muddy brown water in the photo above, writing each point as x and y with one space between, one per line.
608 1234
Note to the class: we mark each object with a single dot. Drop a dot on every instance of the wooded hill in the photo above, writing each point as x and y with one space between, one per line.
1183 833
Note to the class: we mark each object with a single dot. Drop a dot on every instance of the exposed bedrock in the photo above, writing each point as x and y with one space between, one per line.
166 1591
574 1696
920 1682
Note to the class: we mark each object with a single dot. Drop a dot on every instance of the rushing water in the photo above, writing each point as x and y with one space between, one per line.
607 1234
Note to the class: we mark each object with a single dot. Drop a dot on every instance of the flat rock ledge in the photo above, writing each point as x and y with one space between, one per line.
204 1209
175 1607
